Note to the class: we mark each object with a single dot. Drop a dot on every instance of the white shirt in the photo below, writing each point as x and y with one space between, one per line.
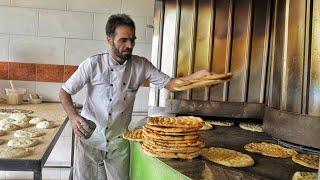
111 93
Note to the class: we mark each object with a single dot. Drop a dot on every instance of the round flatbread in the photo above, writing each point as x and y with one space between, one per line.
9 127
251 127
269 149
199 143
222 123
227 157
10 152
171 149
206 126
170 133
135 135
175 142
19 117
305 176
307 160
31 133
167 137
45 125
22 142
153 153
36 120
170 129
181 121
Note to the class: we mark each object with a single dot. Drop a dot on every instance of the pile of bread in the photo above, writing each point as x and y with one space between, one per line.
20 125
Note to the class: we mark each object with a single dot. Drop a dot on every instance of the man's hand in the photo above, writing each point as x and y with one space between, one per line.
79 125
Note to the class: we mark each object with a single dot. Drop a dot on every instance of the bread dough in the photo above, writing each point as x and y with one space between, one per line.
10 152
45 125
22 124
9 127
31 133
19 117
36 120
6 121
4 115
2 133
23 142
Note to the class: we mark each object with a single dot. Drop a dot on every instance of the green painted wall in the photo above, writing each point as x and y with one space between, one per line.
144 167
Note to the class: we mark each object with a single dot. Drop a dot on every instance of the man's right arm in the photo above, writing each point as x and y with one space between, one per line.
77 122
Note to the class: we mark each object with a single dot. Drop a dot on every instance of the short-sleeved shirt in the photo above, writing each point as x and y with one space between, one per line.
111 90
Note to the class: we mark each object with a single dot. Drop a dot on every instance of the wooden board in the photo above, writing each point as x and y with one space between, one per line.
50 111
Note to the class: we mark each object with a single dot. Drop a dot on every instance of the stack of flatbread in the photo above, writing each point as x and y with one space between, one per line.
209 80
173 137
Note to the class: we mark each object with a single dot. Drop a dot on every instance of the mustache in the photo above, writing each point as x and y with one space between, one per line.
128 50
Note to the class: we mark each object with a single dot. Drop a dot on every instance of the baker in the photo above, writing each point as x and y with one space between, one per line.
112 81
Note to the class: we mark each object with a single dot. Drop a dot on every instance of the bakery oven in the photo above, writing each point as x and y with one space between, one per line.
272 47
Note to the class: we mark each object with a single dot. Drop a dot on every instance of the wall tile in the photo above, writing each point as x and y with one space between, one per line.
79 50
48 91
21 21
4 2
4 47
149 31
68 71
65 174
50 73
2 175
4 70
22 71
3 84
46 4
61 153
138 7
65 24
102 6
100 21
143 49
140 23
50 173
42 50
67 131
16 175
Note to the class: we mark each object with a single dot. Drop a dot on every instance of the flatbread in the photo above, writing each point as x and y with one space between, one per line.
170 129
251 127
45 125
170 133
227 157
167 137
36 120
31 133
9 127
181 121
181 85
135 135
158 148
207 126
152 153
307 160
22 142
222 123
11 152
175 142
199 143
269 149
305 176
19 117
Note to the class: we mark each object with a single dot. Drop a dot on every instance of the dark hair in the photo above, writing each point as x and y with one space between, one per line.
118 20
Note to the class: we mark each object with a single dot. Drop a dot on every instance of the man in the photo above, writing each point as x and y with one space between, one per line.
112 81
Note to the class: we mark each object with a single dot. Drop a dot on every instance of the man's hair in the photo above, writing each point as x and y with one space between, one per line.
118 20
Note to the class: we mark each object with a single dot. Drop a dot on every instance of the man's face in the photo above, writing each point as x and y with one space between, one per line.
123 42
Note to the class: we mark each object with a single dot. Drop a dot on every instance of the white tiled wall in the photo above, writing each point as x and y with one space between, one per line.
66 32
